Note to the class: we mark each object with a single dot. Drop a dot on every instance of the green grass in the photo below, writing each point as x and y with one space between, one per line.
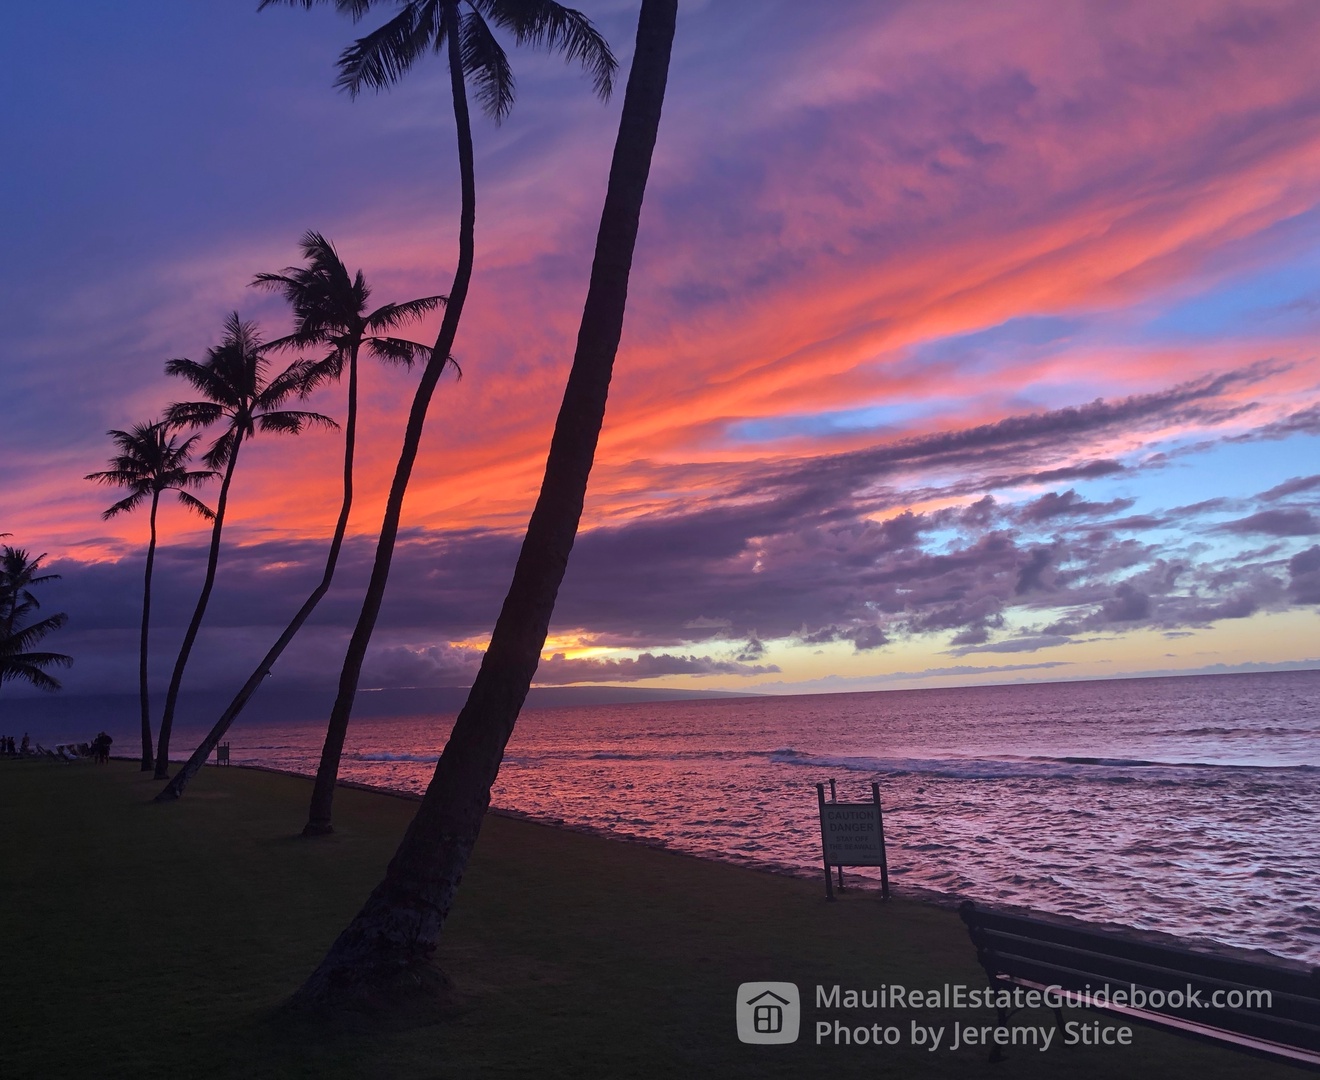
142 940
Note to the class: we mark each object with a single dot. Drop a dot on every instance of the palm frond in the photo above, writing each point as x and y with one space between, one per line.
121 473
547 25
292 422
353 8
192 478
202 377
21 640
380 58
126 505
486 65
21 667
391 350
239 351
196 505
360 287
330 368
327 302
153 460
217 457
275 282
391 316
182 414
18 573
298 379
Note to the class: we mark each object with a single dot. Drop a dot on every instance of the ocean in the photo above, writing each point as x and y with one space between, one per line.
1185 805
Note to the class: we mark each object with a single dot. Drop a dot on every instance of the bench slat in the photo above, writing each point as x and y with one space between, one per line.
1204 1032
1205 965
1017 950
1258 1024
1100 966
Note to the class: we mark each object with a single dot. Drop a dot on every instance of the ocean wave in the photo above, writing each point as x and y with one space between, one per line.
385 755
1118 769
1039 767
1239 730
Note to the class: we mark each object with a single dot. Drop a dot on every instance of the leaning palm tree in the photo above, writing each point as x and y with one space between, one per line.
18 575
233 379
462 30
151 462
384 952
329 311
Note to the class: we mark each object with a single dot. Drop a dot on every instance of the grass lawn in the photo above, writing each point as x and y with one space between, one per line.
142 941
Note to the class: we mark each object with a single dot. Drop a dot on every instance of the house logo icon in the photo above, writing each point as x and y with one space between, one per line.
768 1012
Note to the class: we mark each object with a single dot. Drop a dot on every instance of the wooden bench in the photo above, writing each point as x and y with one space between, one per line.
1266 1009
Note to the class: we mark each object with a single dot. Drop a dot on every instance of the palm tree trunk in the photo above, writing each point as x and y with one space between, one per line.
323 793
190 636
142 651
388 944
174 789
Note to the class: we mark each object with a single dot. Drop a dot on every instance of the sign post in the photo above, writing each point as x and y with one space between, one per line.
852 834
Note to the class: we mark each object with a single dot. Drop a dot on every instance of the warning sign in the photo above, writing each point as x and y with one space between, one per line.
851 832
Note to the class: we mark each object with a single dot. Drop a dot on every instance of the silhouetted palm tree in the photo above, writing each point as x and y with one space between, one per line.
237 391
329 309
150 461
384 951
18 575
460 28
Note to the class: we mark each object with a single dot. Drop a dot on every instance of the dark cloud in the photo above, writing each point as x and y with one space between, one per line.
1030 576
559 669
1128 605
817 551
1069 503
1304 576
1275 523
429 665
1302 422
1295 486
866 638
1026 643
753 650
1016 438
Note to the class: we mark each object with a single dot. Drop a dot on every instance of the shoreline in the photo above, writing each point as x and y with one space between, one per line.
865 886
169 935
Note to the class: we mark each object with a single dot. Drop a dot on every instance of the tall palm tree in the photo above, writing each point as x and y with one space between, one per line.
233 379
329 310
149 463
18 575
384 951
461 29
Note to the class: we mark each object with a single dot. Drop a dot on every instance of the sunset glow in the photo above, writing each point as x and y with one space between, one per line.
962 345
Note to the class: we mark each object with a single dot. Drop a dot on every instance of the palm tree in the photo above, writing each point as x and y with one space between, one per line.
329 309
461 28
150 462
18 575
384 951
237 391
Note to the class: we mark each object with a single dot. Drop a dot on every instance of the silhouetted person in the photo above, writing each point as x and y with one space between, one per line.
102 746
25 744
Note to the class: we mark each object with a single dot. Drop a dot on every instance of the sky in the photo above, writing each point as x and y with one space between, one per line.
966 343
